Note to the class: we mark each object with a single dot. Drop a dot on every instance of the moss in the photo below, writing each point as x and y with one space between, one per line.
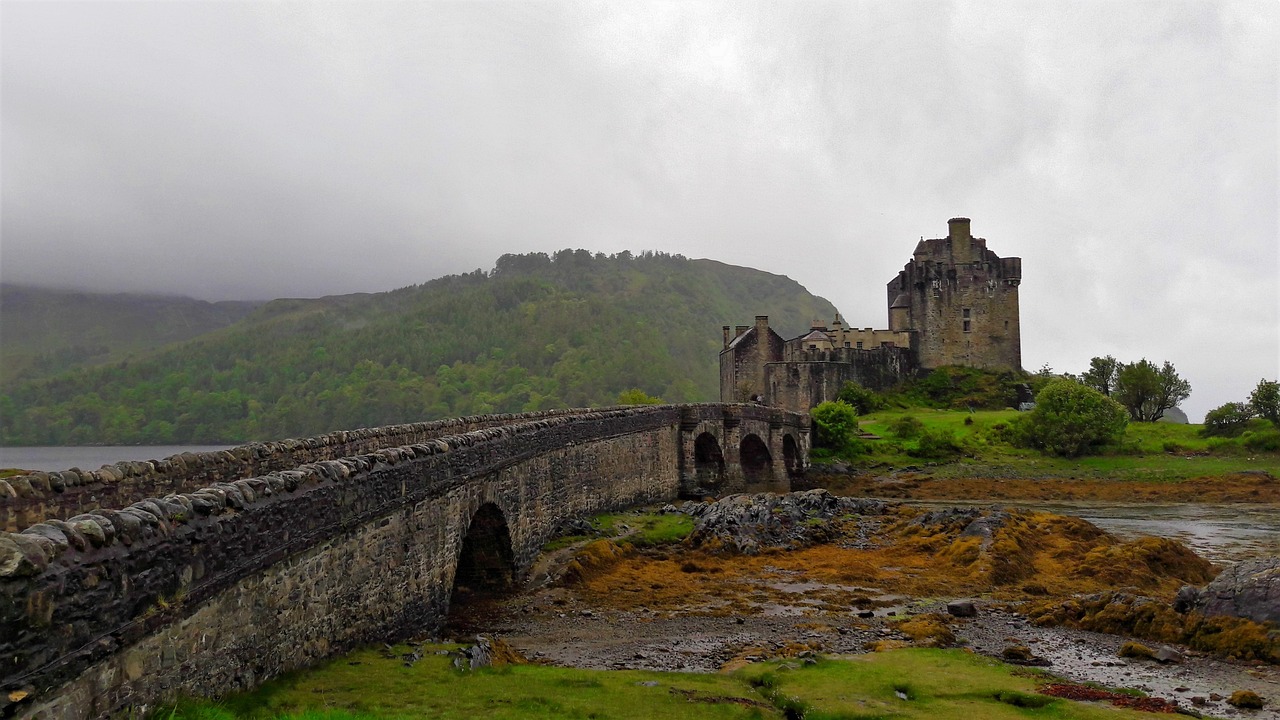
1124 614
1136 650
1246 699
928 630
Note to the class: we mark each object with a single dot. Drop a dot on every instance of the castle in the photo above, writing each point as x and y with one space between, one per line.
954 303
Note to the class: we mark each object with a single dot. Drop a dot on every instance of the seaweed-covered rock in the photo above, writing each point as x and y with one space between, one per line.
748 523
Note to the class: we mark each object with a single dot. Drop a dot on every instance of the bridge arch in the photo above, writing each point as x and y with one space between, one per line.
791 455
708 463
756 461
486 560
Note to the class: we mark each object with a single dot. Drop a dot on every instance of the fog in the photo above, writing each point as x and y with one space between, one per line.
1126 151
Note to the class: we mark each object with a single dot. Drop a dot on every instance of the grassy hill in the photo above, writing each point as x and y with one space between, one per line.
536 332
45 331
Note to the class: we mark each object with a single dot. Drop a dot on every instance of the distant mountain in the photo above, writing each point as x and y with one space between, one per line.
44 331
538 331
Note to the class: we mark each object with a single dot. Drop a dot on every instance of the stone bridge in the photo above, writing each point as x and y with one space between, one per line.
204 574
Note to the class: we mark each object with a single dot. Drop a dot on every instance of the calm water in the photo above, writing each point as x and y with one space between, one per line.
1220 533
89 458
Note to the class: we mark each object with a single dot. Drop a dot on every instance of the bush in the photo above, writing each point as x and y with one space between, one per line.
837 425
1070 419
1261 440
937 445
906 427
1227 420
861 399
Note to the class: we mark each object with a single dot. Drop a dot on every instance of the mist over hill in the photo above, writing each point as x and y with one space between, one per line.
535 332
45 331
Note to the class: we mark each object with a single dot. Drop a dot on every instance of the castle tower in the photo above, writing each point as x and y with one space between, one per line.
959 301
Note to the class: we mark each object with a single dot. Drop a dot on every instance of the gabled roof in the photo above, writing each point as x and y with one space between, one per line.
817 335
902 301
734 343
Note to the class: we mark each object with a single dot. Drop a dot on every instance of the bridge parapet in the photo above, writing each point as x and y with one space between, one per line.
28 499
220 588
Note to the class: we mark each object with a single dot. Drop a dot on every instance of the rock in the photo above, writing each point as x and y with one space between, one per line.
1168 655
962 608
1250 589
1135 650
1246 699
1020 653
1186 599
745 524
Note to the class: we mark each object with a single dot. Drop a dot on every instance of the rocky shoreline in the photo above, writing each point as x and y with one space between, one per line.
561 624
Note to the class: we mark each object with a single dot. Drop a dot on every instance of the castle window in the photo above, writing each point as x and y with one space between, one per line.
1006 324
966 326
859 344
846 343
966 313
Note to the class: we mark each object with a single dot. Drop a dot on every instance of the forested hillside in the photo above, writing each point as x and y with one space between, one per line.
45 331
536 332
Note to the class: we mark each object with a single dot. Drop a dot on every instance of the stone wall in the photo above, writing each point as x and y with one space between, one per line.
28 499
215 590
811 377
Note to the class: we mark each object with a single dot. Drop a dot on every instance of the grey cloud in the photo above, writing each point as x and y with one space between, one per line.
1126 151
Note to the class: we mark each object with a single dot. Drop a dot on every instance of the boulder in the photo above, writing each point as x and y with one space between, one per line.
1250 589
748 523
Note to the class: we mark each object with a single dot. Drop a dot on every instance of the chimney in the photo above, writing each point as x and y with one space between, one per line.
762 327
739 329
726 337
959 237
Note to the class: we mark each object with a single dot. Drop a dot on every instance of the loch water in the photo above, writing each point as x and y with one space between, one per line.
89 457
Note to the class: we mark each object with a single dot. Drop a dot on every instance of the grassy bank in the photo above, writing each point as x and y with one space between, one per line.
940 684
1149 452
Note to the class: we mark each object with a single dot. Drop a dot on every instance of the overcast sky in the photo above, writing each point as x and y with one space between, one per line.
1127 151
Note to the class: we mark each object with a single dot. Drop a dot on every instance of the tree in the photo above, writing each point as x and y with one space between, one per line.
1069 419
863 400
1147 391
1101 375
837 425
636 396
1265 400
1227 420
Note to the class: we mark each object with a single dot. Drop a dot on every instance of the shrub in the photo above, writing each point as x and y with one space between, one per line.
837 425
937 445
860 398
1227 420
1261 440
906 427
1070 419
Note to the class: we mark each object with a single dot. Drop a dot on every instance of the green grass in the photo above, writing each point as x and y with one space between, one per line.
648 528
1149 451
943 684
937 684
365 684
641 528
